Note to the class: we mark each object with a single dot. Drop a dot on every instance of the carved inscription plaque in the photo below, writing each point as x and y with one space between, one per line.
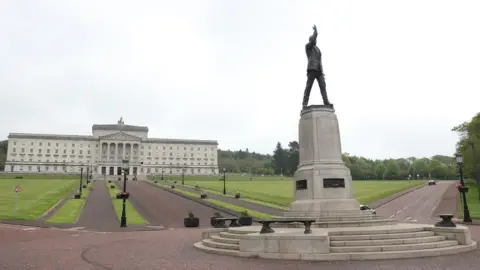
301 184
333 182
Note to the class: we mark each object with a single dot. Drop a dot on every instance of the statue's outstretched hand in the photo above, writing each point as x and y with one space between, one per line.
314 27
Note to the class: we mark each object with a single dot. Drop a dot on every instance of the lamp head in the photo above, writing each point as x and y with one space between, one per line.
459 158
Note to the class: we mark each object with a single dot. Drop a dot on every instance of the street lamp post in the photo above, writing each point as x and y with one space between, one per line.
161 178
183 176
224 182
123 220
81 180
463 189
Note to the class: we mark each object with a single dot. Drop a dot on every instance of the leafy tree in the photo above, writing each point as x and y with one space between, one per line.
279 161
392 170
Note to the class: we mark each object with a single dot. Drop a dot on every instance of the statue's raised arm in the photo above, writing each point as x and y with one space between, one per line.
313 38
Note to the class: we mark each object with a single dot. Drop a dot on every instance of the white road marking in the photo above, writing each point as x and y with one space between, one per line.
29 229
408 218
75 228
399 211
391 216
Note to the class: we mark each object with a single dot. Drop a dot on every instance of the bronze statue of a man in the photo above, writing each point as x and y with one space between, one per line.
314 70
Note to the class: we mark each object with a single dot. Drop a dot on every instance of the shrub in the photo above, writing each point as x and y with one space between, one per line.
190 215
244 213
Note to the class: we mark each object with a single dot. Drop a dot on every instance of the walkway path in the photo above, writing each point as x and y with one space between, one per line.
172 249
248 205
98 213
162 208
416 206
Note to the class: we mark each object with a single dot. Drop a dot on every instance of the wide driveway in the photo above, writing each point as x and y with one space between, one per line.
27 248
419 205
162 208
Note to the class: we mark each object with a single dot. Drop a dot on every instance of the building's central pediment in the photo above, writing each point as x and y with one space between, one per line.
120 136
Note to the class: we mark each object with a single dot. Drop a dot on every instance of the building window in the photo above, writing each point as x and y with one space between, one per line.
48 151
64 151
14 142
88 152
23 150
73 145
31 143
40 143
56 144
48 144
73 152
39 151
56 150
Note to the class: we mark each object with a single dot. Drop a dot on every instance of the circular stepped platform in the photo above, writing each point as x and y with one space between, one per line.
341 221
359 243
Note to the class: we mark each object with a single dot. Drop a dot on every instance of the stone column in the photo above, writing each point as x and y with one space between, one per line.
322 183
123 151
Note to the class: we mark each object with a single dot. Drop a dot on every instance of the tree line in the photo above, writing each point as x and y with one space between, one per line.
469 145
284 160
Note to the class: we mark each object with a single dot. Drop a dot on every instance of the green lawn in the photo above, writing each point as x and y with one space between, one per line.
71 210
133 217
39 176
233 207
277 192
472 201
37 196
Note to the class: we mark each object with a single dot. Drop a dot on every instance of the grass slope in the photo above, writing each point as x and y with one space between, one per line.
252 213
37 196
133 217
70 211
472 201
277 192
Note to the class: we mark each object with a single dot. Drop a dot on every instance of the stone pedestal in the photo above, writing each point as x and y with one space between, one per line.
322 183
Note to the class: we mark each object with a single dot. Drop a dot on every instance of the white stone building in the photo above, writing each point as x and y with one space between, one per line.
104 151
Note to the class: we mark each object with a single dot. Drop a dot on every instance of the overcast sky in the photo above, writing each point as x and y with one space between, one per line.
401 74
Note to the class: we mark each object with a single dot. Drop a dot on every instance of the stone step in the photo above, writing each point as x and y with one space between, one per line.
225 240
213 244
385 242
420 246
231 252
403 254
376 230
339 224
232 235
341 218
354 237
355 223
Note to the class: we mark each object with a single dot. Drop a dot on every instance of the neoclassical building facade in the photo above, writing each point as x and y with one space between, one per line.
102 152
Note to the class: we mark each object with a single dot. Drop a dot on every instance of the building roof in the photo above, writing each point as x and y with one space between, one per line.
180 141
120 127
91 138
50 136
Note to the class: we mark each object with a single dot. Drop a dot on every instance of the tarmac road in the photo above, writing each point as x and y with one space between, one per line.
162 208
417 206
